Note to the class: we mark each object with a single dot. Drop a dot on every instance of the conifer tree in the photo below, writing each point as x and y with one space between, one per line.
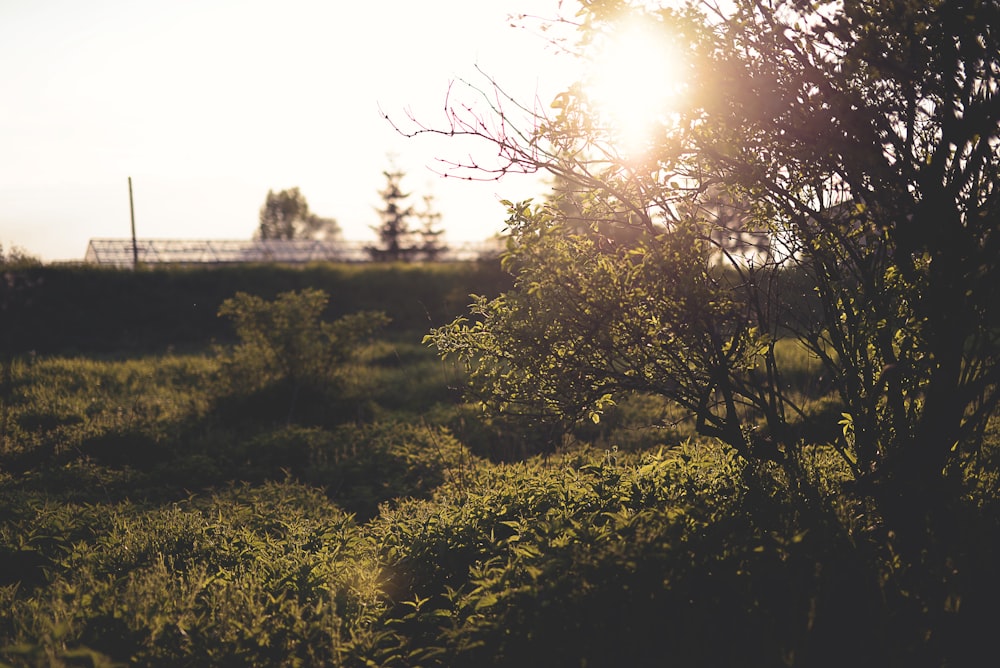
394 233
430 232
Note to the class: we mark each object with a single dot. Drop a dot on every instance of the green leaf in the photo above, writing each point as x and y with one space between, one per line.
487 601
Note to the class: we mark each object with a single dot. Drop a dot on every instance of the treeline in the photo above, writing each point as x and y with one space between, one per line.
59 309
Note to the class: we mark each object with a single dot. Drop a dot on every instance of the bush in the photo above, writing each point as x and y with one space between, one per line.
285 343
649 561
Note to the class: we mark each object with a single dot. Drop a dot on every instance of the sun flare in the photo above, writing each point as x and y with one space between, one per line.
635 82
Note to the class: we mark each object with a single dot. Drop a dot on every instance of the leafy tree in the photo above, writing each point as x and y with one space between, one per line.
394 233
17 258
286 215
861 140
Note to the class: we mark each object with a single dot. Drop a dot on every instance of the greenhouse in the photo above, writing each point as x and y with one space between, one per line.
125 253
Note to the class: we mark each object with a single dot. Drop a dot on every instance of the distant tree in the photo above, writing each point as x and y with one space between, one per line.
430 232
17 258
395 234
286 215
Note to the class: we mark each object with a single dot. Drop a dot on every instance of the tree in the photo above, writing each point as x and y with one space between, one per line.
863 139
399 240
430 232
17 258
286 215
394 232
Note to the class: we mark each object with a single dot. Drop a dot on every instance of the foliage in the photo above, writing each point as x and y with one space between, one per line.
861 141
285 341
359 467
286 215
604 562
273 575
140 525
584 325
887 184
17 258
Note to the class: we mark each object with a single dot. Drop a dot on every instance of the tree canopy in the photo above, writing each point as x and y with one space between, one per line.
286 215
826 172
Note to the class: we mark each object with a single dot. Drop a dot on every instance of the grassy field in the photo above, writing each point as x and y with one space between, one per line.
155 513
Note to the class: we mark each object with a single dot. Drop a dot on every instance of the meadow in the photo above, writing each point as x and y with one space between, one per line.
166 500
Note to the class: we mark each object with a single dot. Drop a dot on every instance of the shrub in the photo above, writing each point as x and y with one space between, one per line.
272 575
284 342
592 561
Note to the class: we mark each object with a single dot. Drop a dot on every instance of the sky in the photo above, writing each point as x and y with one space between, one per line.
209 104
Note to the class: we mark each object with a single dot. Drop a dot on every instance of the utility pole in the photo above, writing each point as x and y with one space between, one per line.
135 244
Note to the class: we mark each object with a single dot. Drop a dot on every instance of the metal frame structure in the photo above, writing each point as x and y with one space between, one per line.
127 253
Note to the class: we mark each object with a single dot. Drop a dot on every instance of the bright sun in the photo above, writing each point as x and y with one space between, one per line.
635 83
